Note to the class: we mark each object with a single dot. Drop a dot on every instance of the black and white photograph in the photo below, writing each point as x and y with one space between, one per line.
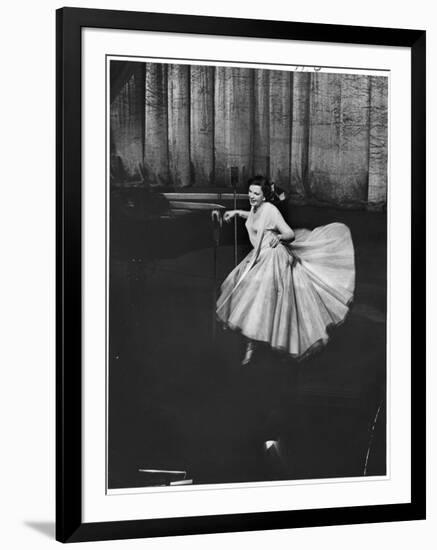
246 273
218 275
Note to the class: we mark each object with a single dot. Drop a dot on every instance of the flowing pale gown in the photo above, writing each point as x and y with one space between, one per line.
289 295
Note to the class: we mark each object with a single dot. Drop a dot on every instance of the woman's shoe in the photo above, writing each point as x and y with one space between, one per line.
250 348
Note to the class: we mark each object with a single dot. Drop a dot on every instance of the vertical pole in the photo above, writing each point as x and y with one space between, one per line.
216 225
235 230
234 183
214 293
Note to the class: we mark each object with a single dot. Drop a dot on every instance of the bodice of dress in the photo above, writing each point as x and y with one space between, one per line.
260 221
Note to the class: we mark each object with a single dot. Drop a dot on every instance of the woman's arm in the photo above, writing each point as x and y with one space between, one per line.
243 214
284 233
229 214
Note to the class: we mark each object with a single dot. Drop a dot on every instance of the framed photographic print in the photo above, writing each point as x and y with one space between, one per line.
241 269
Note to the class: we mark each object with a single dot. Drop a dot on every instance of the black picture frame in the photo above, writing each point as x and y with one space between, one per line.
69 524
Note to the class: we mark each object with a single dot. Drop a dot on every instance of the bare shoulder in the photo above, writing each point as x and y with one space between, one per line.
273 211
270 207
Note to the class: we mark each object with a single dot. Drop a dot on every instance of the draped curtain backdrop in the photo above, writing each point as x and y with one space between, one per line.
320 136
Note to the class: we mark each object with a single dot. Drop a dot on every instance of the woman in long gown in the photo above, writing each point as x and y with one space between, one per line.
293 285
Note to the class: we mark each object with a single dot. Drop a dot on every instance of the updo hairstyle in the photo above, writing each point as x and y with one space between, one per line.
265 185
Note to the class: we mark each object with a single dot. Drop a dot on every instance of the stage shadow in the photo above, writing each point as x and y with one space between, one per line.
46 528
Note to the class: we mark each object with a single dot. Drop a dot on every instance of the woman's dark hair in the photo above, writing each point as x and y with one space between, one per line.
265 185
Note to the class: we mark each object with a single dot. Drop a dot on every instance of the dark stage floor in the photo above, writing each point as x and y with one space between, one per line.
179 398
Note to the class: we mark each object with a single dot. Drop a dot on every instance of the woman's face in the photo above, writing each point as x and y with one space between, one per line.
256 196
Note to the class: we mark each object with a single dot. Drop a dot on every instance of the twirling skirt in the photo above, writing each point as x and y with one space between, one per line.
292 293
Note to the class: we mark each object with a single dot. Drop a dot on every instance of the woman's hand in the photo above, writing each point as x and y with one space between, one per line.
228 215
274 240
